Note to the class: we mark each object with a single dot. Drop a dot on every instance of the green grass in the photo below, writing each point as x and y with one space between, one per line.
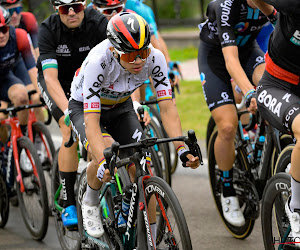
192 108
183 54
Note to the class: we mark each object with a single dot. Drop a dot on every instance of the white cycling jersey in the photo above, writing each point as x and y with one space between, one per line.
102 83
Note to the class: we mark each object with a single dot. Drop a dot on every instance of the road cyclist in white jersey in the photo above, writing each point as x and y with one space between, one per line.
101 108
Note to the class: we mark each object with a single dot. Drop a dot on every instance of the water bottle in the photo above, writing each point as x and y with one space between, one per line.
123 217
249 148
260 144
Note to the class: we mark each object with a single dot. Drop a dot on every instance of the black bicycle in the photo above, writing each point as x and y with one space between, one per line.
252 168
146 190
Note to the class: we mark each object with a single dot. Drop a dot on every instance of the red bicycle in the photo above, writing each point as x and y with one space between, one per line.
29 177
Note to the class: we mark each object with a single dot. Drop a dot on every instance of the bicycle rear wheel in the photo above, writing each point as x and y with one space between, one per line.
68 240
172 229
4 203
33 201
283 163
275 223
244 190
46 151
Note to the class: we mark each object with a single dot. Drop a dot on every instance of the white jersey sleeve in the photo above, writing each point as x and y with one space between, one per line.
159 74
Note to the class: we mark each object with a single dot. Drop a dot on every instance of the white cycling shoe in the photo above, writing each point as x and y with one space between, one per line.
294 219
232 211
91 220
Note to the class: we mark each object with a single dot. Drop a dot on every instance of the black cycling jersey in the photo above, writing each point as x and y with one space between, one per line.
70 47
232 22
284 43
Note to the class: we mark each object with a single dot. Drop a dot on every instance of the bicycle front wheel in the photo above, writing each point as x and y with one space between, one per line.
4 203
275 223
33 201
172 230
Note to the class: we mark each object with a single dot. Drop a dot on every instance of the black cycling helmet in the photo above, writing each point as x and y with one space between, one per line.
7 3
128 32
4 17
107 2
62 2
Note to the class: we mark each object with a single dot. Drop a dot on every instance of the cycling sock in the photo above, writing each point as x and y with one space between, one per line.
68 181
153 231
24 129
295 201
226 177
91 197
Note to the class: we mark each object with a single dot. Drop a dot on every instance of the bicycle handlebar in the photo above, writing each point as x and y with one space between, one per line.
14 110
153 101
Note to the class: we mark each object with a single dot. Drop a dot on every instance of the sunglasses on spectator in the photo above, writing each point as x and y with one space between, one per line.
4 29
17 10
76 7
132 56
111 10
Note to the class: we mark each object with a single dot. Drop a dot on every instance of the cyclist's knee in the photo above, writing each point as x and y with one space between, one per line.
227 131
18 94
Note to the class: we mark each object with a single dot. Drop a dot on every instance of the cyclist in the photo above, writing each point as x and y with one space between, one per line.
228 50
27 22
278 94
65 39
14 42
127 59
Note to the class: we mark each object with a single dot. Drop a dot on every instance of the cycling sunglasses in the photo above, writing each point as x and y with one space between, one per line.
4 29
111 10
76 7
132 56
17 10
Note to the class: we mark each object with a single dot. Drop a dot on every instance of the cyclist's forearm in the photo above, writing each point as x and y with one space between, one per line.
171 120
265 8
33 77
94 135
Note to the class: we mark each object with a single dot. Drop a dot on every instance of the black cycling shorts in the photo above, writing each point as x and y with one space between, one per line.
120 122
214 77
278 101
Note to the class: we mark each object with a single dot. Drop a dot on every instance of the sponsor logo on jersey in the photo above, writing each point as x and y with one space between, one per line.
95 105
63 49
161 93
226 8
170 91
270 102
86 48
296 38
86 105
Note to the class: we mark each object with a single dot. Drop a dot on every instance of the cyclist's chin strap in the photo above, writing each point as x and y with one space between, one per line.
116 55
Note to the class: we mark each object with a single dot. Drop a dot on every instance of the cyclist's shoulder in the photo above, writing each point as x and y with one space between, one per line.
28 17
100 54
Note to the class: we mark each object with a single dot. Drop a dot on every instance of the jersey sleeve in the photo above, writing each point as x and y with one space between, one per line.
47 48
24 48
226 14
159 74
31 27
93 77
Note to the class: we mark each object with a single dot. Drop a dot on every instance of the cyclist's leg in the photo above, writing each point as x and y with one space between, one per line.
278 102
67 159
220 100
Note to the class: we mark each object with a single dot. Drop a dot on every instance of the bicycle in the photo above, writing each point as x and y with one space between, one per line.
137 234
250 172
28 175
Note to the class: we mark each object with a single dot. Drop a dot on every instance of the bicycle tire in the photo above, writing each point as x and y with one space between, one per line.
275 194
68 240
85 243
47 155
211 126
162 152
4 203
169 212
215 183
35 215
284 160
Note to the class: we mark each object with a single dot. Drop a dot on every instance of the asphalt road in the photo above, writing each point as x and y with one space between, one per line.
193 191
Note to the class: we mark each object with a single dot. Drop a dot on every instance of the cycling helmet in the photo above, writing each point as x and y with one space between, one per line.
107 2
4 17
7 3
128 32
61 2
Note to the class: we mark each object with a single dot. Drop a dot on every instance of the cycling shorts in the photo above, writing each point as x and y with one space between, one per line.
53 108
215 79
278 101
120 123
7 80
